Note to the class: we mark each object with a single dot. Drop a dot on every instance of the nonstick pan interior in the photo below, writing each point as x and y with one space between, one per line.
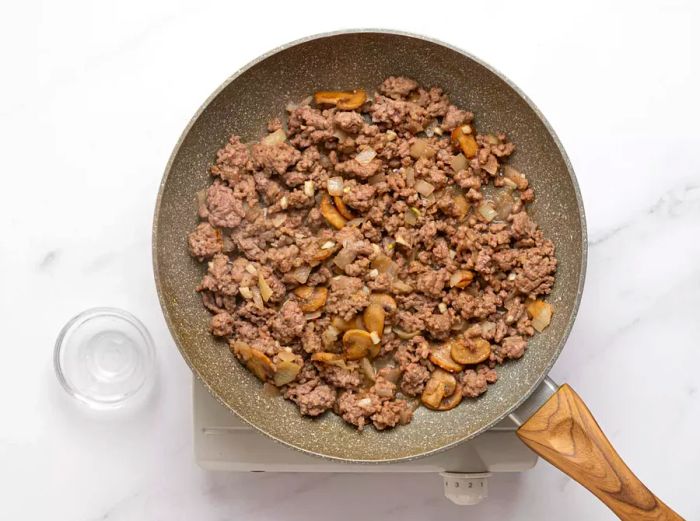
342 61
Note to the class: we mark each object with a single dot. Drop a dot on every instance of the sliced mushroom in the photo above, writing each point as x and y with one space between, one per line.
312 298
404 335
441 356
342 209
256 361
329 358
472 351
344 100
387 302
451 401
357 344
441 385
516 177
374 318
344 325
331 214
465 141
285 372
461 279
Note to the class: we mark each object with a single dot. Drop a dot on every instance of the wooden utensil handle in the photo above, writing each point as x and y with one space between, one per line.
564 432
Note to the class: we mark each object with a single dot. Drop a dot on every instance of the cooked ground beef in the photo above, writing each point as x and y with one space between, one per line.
409 261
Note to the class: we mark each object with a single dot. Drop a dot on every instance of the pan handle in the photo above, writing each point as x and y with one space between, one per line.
557 425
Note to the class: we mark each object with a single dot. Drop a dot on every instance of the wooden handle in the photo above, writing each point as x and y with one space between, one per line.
564 432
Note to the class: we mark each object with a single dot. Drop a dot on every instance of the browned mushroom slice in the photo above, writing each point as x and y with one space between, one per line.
342 208
344 100
357 344
441 357
285 372
387 302
465 141
331 213
461 279
374 318
404 335
329 358
472 351
451 401
344 325
440 385
312 298
256 361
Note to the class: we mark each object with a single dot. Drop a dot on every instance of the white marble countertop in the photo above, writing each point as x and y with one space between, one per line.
94 96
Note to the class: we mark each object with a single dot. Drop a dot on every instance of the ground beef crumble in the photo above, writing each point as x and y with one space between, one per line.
404 247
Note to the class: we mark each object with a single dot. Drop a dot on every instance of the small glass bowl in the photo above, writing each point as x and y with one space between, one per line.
104 357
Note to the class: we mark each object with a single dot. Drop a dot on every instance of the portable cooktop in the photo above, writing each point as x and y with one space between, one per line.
222 442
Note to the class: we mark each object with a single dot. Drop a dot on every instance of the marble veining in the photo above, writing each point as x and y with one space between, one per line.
98 97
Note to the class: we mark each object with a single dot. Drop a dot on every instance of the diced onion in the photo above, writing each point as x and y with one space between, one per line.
291 106
251 269
365 157
345 257
335 186
284 202
421 148
401 286
509 183
301 274
265 289
384 264
410 217
257 299
368 369
357 221
392 374
286 356
312 316
516 177
278 136
442 307
327 245
491 165
245 292
541 314
410 177
403 242
376 179
309 188
278 219
487 211
458 162
390 135
201 198
329 336
504 204
270 390
375 337
424 188
364 402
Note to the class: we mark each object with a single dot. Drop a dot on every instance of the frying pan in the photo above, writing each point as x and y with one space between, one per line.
554 421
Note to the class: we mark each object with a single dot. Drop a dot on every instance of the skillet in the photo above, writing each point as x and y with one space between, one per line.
555 422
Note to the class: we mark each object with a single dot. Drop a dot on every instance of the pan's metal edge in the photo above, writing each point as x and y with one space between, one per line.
569 167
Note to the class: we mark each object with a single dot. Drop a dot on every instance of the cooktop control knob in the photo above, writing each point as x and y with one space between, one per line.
465 489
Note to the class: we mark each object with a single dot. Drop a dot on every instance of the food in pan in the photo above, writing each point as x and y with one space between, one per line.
373 254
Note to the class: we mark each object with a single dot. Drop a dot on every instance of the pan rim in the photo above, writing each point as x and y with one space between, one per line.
520 93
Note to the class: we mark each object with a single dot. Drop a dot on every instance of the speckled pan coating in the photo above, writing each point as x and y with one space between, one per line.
242 105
